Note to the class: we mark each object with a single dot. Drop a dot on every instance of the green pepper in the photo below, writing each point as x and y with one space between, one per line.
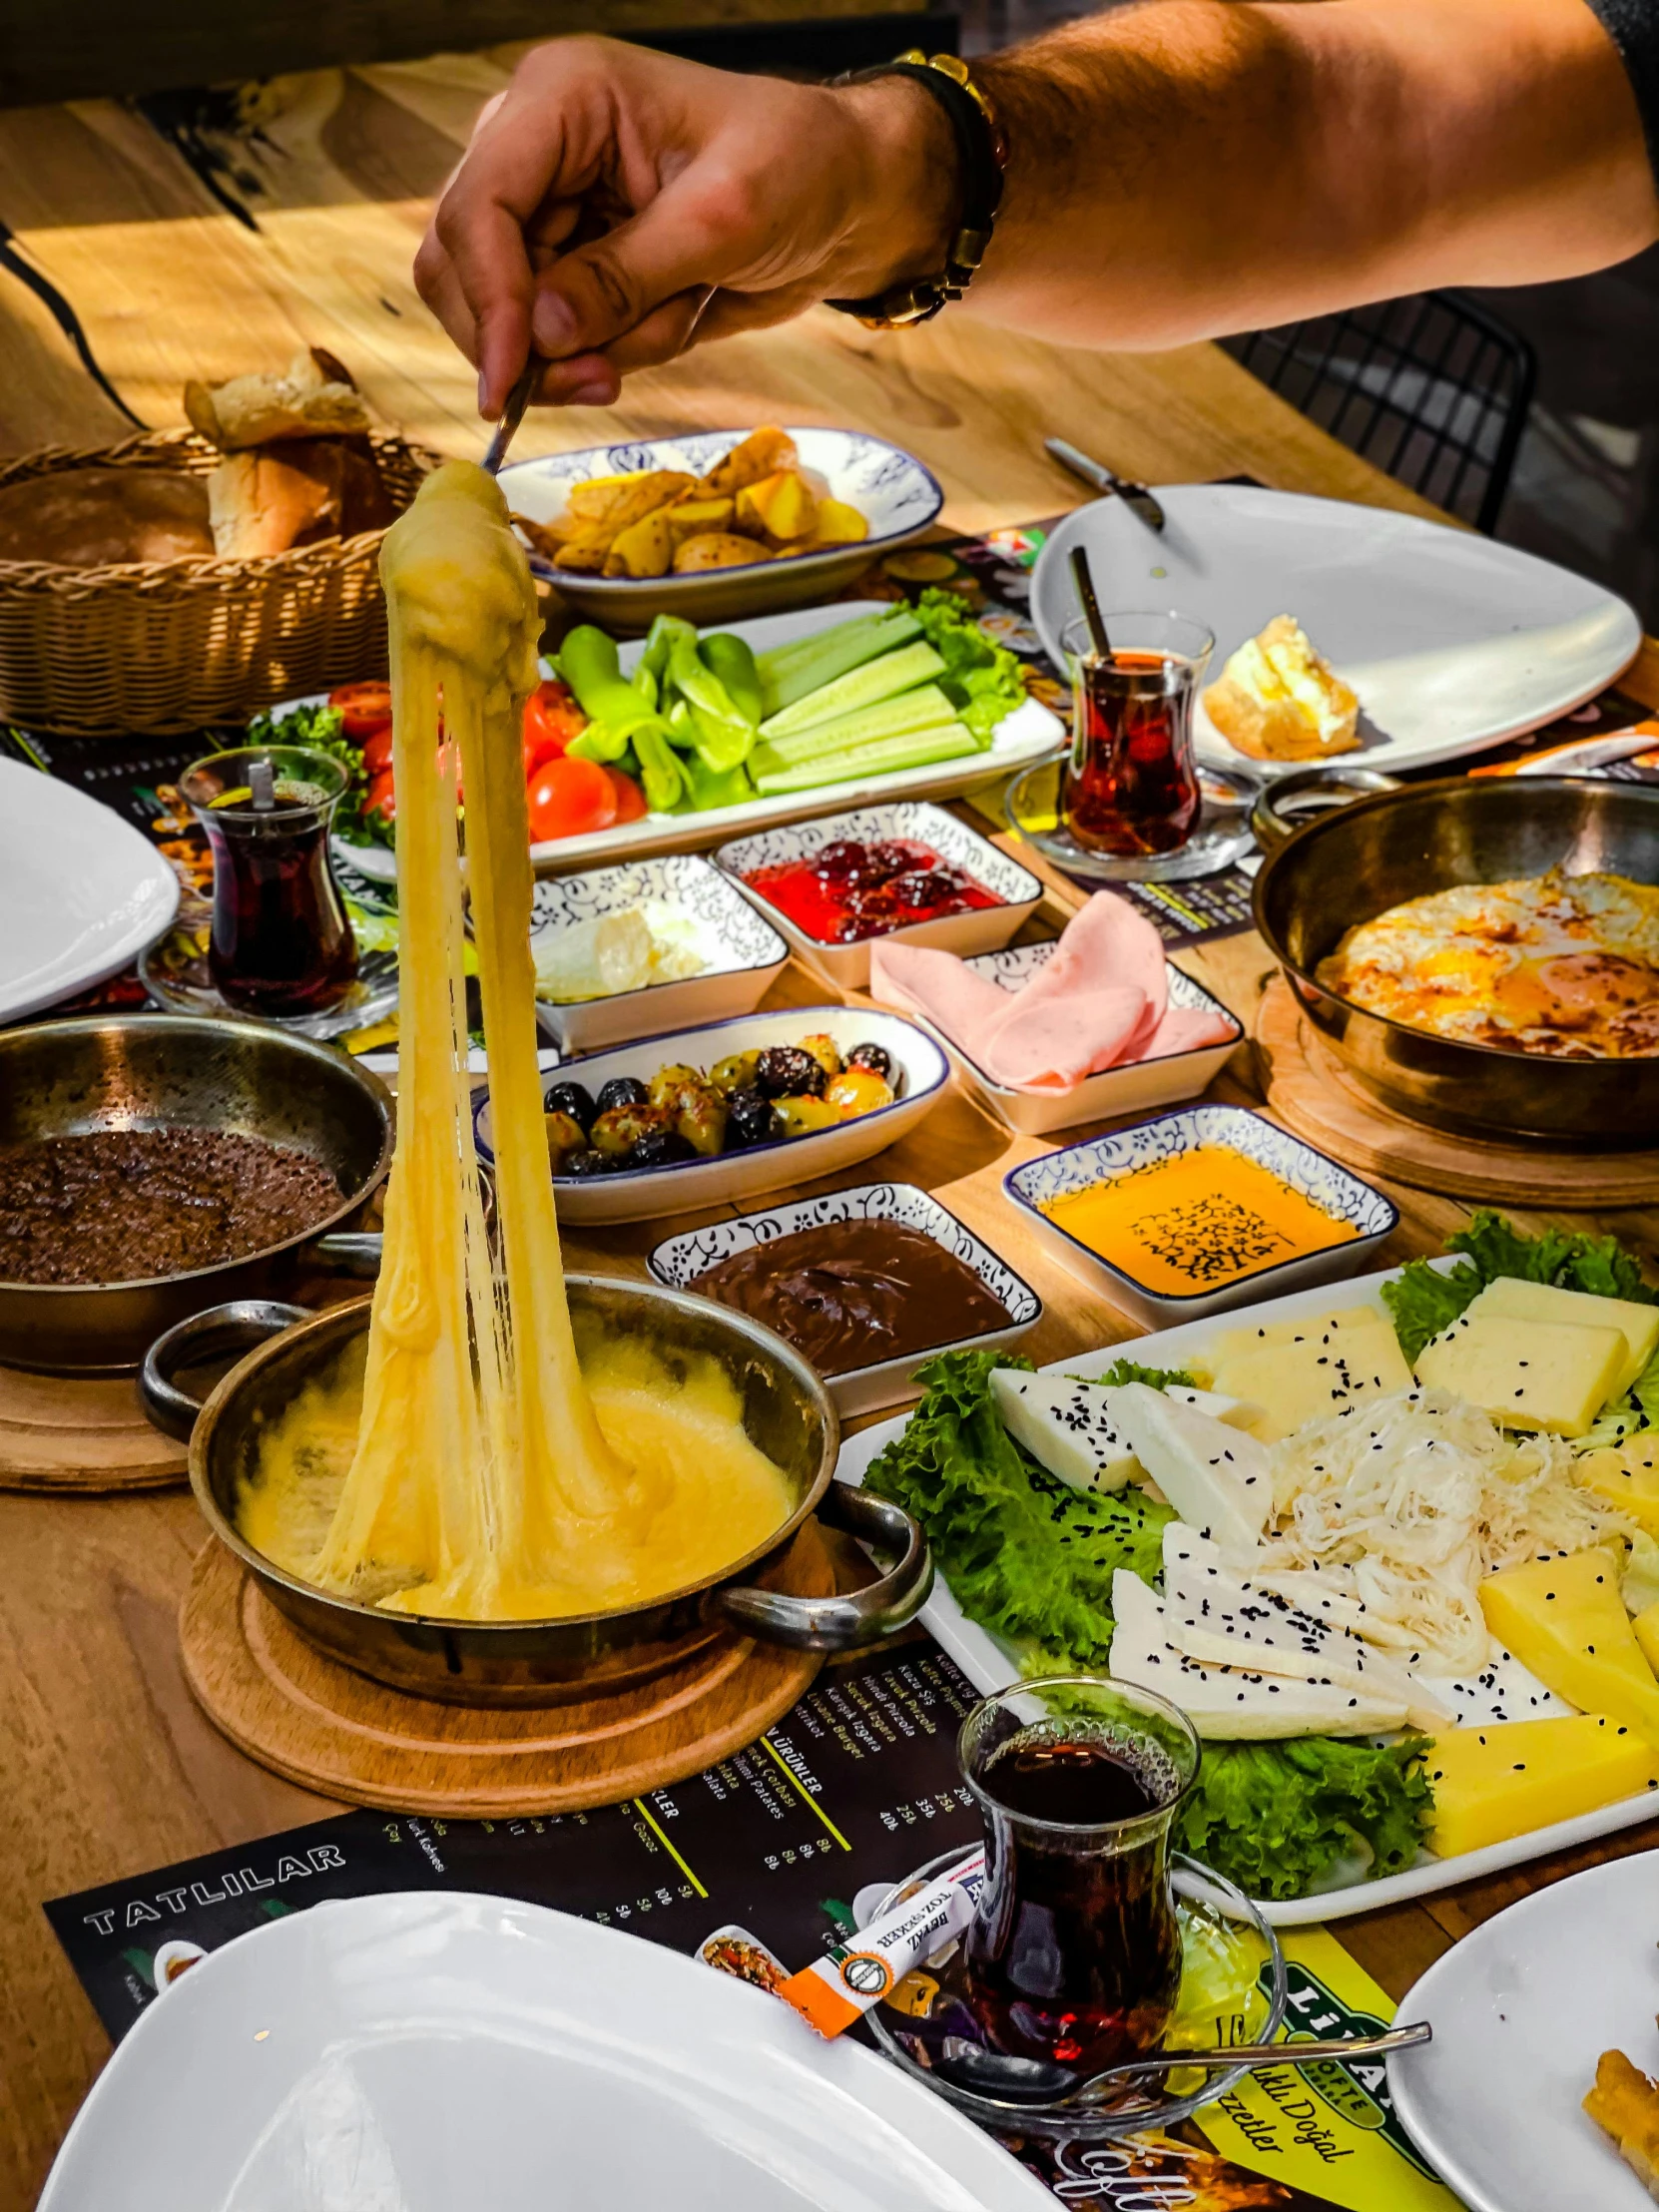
704 788
724 736
660 771
681 726
600 741
659 644
730 660
588 663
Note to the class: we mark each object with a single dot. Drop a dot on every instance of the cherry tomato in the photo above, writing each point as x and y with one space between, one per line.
363 708
551 719
568 798
630 799
377 751
381 800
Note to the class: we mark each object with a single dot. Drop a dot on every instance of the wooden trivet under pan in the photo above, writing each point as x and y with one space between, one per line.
84 1433
316 1723
1309 1091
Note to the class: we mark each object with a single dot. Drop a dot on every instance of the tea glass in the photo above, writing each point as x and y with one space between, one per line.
1129 786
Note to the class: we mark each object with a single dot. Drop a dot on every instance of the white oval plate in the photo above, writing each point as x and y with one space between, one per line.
647 1193
422 2053
898 497
1453 642
1522 2010
990 1665
1018 740
82 893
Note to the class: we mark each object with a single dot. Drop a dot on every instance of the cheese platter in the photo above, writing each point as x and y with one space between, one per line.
1375 1563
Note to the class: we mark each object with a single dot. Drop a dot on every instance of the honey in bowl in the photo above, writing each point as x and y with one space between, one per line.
1194 1223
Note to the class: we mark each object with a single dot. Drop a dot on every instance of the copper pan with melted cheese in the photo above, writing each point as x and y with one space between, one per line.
1484 955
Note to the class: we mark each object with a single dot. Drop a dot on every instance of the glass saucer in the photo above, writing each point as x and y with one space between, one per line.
175 974
1232 1991
1223 835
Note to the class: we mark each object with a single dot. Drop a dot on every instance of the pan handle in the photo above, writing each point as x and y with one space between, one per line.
206 1336
845 1622
1314 791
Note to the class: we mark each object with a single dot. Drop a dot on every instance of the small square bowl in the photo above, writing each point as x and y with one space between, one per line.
847 965
682 1260
1080 1166
742 951
1129 1089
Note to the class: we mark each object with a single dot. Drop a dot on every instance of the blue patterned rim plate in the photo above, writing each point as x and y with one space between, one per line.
680 1261
1317 1178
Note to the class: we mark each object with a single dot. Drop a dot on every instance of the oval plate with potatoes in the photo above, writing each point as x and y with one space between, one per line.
717 524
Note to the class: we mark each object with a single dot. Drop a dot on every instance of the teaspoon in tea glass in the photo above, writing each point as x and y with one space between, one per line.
1043 2081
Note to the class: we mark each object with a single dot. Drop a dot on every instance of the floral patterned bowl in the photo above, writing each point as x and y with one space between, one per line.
680 1261
889 487
1319 1178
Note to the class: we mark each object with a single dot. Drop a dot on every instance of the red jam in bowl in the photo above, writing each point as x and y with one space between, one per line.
851 890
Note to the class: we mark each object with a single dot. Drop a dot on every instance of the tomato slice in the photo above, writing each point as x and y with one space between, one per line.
551 719
383 799
630 799
569 799
364 709
377 751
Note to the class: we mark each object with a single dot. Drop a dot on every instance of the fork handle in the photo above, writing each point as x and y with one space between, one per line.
1267 2054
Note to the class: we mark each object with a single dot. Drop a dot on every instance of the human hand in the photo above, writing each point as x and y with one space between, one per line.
622 205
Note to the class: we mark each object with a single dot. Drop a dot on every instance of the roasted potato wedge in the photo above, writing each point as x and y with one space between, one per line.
779 507
644 548
838 523
587 551
690 518
760 454
718 549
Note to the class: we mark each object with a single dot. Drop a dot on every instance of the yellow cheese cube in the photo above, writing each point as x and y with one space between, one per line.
1325 1368
1627 1476
1493 1783
1565 1620
1526 1374
1513 1299
1646 1626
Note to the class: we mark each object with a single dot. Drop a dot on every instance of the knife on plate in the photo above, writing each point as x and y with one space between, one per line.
1134 496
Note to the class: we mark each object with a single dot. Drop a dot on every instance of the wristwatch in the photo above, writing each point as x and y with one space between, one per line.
983 157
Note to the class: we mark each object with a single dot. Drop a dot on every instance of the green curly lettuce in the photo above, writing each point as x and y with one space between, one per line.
1275 1817
1129 1371
983 679
1024 1555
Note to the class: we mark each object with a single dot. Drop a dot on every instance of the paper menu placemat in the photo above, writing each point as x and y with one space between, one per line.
856 1786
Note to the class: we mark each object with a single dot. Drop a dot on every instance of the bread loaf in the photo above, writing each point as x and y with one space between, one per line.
266 499
312 397
89 518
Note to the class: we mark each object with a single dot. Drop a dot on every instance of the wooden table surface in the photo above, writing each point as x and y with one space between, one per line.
225 253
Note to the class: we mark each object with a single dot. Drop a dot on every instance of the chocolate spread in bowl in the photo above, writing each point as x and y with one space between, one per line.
134 1205
851 1293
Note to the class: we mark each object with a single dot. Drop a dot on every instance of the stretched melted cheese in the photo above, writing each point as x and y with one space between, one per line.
487 1481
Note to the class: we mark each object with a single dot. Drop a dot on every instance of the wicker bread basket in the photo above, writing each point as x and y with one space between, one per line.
175 645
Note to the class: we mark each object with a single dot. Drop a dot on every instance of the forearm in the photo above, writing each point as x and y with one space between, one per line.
1191 166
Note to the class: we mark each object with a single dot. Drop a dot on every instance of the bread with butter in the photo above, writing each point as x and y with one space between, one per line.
1278 699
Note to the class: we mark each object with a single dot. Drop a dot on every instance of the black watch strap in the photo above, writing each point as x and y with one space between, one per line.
982 158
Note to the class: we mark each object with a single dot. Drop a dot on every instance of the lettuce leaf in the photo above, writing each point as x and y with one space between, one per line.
1423 1301
1638 1409
983 679
1275 1817
1024 1555
1127 1371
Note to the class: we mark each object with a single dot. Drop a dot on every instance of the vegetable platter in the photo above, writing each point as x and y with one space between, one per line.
906 707
1480 1596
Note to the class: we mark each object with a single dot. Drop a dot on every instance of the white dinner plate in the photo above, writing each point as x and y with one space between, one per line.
1453 642
991 1665
82 893
1020 738
1522 2010
422 2053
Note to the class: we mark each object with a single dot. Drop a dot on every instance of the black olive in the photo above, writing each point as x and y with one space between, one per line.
623 1090
586 1162
752 1119
784 1071
574 1099
660 1148
875 1057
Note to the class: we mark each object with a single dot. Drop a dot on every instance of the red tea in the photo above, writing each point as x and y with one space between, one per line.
1130 786
1074 1954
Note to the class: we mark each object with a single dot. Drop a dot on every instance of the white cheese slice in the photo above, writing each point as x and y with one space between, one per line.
1503 1690
1229 1703
1215 1476
1510 1298
1237 1412
1211 1614
1067 1426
